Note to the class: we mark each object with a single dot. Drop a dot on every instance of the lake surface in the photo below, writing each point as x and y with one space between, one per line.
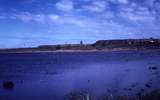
52 76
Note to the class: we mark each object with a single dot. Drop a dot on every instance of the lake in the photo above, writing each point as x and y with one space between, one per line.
53 76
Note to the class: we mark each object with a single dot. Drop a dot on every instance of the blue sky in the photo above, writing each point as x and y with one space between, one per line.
25 23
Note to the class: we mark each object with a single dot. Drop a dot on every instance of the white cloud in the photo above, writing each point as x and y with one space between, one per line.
54 17
123 1
25 16
65 5
28 17
137 13
67 20
119 1
96 6
39 18
107 15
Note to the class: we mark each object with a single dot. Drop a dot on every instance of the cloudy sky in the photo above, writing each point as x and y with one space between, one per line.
25 23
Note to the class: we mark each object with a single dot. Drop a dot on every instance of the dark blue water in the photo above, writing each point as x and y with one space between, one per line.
51 76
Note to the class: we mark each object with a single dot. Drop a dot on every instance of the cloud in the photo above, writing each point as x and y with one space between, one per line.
85 25
2 17
97 16
134 12
118 1
108 15
54 17
123 1
65 5
97 24
25 16
96 6
28 17
68 20
39 18
157 6
29 1
149 3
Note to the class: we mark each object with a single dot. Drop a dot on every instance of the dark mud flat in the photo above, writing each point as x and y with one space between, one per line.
80 76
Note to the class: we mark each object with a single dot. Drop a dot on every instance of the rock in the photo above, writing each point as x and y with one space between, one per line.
148 85
153 68
9 85
88 81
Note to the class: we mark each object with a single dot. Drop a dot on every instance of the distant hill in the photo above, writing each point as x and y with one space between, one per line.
128 43
123 44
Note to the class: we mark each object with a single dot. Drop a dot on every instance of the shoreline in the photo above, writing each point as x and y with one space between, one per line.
81 51
99 46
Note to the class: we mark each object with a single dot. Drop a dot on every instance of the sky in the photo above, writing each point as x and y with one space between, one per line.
29 23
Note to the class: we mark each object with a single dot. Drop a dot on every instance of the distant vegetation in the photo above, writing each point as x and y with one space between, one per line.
124 44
